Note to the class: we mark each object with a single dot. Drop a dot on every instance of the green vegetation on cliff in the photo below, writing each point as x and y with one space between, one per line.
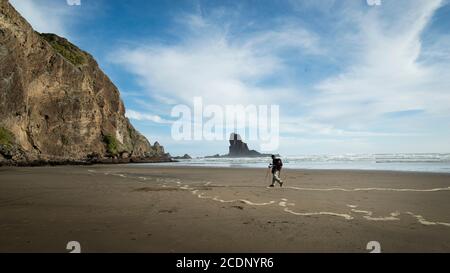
111 144
6 137
65 48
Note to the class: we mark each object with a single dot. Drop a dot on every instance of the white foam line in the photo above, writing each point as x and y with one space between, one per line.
371 189
346 216
362 211
120 175
216 198
425 222
393 217
283 203
201 196
369 215
256 204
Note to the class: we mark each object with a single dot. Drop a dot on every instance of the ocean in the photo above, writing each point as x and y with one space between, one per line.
431 162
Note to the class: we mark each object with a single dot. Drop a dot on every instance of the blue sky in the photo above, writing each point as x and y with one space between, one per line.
349 77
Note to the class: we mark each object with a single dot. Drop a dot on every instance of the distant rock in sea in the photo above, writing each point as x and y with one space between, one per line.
186 156
56 104
238 148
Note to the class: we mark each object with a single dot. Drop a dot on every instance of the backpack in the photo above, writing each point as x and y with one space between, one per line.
278 164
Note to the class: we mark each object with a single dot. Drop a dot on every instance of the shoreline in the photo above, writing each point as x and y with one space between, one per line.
111 161
151 165
412 162
154 164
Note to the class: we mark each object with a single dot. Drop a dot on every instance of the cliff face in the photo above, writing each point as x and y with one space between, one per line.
56 104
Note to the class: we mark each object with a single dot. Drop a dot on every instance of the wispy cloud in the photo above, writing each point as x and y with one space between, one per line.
45 15
388 76
145 117
381 67
342 72
309 127
213 63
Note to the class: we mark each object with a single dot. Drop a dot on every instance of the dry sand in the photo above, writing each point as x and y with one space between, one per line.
125 208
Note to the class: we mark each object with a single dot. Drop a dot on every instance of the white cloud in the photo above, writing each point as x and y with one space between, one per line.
144 116
309 127
214 64
44 16
388 76
383 68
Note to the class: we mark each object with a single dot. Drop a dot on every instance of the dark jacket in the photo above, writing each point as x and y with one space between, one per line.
277 165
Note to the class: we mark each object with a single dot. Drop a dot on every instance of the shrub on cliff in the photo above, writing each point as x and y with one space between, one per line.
6 137
65 48
111 144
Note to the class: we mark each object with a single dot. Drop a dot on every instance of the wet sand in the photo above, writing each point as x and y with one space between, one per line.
126 208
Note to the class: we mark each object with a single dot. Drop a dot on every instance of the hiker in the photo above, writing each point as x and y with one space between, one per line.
276 166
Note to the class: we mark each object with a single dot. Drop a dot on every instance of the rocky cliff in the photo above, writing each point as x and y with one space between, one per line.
56 105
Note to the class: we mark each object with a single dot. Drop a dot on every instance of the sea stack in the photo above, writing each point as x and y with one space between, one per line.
239 148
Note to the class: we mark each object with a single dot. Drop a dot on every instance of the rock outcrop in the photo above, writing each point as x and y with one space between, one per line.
238 148
56 105
186 156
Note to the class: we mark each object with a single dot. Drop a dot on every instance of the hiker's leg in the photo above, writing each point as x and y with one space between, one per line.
273 179
276 177
279 178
